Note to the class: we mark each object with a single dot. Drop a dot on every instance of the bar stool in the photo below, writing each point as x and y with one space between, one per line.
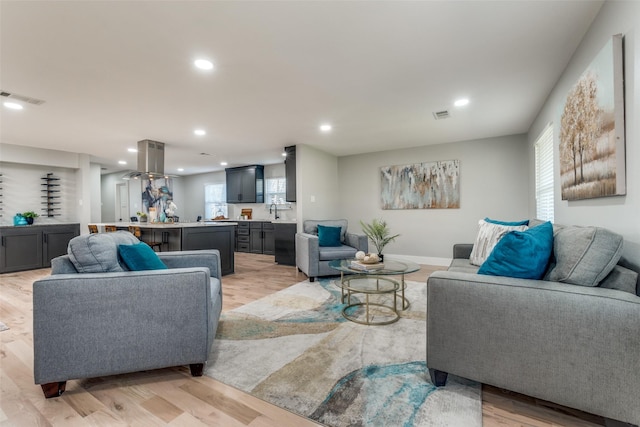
110 228
93 229
136 231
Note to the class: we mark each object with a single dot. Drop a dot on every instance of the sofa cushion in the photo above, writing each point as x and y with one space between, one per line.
328 236
310 226
522 254
327 253
621 279
488 235
139 257
584 255
98 253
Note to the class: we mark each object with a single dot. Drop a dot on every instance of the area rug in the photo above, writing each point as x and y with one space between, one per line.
295 350
3 327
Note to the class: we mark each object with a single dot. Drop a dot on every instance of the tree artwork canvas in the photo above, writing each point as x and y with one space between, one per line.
433 185
592 145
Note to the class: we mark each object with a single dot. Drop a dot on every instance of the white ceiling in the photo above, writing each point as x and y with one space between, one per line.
115 72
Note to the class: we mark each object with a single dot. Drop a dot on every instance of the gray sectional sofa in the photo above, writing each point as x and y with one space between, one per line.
93 317
577 345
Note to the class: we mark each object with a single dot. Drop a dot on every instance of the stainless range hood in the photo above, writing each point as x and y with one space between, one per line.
150 160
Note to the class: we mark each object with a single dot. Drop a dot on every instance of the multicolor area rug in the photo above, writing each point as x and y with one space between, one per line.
295 350
3 327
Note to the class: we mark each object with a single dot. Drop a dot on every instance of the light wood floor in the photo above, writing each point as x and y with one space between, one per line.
171 396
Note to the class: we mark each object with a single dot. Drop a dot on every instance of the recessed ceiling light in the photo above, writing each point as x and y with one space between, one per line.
180 169
223 163
203 64
122 162
461 102
13 105
200 132
132 150
326 127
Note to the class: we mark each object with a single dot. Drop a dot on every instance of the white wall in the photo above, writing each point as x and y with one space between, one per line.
494 176
621 213
317 190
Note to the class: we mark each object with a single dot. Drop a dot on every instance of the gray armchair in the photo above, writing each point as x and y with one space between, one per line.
105 323
313 259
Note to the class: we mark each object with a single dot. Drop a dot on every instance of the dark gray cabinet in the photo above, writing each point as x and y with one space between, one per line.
221 238
245 184
285 244
255 237
55 240
32 247
290 172
268 247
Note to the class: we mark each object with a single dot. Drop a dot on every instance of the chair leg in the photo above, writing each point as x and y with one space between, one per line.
53 389
311 279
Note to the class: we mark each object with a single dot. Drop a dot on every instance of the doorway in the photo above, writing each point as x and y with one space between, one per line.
122 202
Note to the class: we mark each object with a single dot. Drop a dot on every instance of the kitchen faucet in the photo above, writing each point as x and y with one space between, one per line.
276 210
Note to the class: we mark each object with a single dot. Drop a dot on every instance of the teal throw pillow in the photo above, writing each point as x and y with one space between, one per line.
329 236
140 257
521 254
511 223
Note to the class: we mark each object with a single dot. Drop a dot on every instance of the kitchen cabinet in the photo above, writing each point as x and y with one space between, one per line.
290 172
221 238
32 247
284 243
268 241
245 184
255 237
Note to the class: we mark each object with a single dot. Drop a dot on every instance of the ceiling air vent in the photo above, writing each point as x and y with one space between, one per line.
27 99
439 115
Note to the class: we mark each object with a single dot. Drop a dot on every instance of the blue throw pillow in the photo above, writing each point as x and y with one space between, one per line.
329 236
521 254
140 257
510 223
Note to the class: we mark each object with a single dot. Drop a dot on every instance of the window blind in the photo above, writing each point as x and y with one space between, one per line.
544 174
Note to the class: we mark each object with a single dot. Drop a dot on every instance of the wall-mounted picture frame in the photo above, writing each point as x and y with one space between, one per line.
432 185
592 131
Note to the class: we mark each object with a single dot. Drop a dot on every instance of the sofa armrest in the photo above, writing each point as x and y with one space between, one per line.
462 250
358 241
307 253
209 258
543 339
89 325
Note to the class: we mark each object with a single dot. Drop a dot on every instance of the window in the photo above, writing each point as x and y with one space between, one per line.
276 190
544 174
215 201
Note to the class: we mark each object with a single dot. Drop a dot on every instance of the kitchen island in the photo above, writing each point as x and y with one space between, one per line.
188 236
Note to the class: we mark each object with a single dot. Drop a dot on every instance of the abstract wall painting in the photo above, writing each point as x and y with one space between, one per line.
592 141
433 185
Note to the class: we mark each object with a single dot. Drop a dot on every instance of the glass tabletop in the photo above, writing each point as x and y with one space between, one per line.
391 267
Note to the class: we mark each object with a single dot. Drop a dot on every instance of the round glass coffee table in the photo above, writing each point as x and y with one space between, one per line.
386 280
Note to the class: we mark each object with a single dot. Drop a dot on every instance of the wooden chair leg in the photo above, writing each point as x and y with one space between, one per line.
53 389
196 369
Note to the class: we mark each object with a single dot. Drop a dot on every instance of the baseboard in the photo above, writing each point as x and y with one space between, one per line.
423 260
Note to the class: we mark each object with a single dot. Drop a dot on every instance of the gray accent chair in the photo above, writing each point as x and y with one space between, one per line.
96 324
577 346
313 259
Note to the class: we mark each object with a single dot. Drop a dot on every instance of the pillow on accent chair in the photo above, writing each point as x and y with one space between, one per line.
521 254
584 255
489 234
140 257
329 236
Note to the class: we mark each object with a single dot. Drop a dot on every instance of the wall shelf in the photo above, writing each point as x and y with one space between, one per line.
51 188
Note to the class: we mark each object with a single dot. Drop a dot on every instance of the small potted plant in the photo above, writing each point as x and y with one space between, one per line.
378 232
142 216
30 216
